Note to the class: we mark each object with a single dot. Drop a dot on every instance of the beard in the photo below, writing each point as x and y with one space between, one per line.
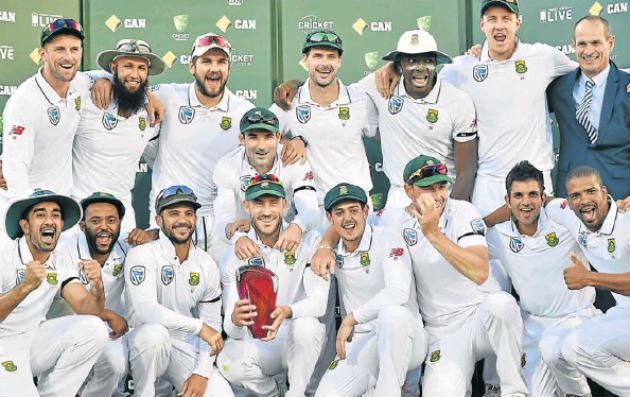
201 88
129 101
93 247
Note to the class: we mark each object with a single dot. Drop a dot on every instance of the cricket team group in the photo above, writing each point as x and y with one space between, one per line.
477 253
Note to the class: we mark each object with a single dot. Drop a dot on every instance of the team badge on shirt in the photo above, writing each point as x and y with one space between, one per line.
432 116
520 66
289 259
333 365
582 240
136 274
9 366
186 114
193 279
142 123
516 244
396 252
83 278
611 245
364 260
435 356
344 113
256 261
395 104
117 269
303 113
410 236
51 278
245 181
480 73
54 115
168 274
77 103
339 261
478 226
19 277
552 239
226 123
109 121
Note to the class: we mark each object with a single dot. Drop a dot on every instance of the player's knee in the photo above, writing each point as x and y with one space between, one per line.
328 389
236 361
570 348
89 329
307 331
502 306
394 319
445 380
549 351
152 337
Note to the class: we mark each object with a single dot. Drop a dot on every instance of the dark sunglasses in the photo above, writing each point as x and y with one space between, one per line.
427 171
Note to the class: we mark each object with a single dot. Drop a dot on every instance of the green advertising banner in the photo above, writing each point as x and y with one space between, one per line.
368 33
21 23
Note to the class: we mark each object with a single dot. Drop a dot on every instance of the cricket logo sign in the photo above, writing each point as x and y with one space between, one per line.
186 114
395 105
303 113
54 115
480 73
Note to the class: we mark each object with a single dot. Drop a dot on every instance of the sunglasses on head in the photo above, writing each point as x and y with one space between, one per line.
63 23
207 40
427 171
258 179
177 189
41 192
134 46
260 117
319 37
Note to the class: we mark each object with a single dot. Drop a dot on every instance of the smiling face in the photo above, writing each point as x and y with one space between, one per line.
348 219
437 191
42 226
525 202
261 147
178 222
419 73
211 71
500 26
101 227
266 214
62 57
323 63
593 44
589 200
131 72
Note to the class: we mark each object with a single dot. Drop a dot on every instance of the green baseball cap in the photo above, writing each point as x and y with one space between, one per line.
343 192
70 210
425 171
322 38
102 197
61 25
176 194
511 5
264 185
257 119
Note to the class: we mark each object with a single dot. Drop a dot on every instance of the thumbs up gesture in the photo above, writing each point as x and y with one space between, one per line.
576 276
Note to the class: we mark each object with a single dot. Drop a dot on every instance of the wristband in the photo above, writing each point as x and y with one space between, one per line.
300 137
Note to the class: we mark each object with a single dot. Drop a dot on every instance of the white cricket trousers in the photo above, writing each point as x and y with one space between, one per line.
495 327
600 349
60 352
137 351
253 364
380 357
542 337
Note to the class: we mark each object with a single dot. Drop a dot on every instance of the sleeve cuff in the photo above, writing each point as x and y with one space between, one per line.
360 316
197 324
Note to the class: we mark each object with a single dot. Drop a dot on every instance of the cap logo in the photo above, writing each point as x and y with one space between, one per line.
430 162
264 185
415 40
343 190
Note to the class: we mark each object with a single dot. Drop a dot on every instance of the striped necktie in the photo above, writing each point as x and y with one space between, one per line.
581 114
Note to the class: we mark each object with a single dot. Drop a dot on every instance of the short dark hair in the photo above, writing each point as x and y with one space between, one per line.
524 171
595 18
362 204
584 170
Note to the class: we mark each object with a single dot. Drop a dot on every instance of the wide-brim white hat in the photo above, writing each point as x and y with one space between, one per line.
415 42
132 48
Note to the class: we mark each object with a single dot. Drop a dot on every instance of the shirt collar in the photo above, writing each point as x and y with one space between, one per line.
542 224
304 95
26 256
168 249
364 245
48 91
485 52
223 105
432 96
599 80
84 250
445 215
609 223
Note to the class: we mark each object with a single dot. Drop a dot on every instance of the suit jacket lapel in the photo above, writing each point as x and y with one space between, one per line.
610 93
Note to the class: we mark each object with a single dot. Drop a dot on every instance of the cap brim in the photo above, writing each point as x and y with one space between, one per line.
512 9
260 126
199 51
345 197
113 201
322 44
156 64
180 200
424 182
70 209
441 57
71 31
261 193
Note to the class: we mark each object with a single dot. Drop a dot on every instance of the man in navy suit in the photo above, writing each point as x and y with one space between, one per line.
593 110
